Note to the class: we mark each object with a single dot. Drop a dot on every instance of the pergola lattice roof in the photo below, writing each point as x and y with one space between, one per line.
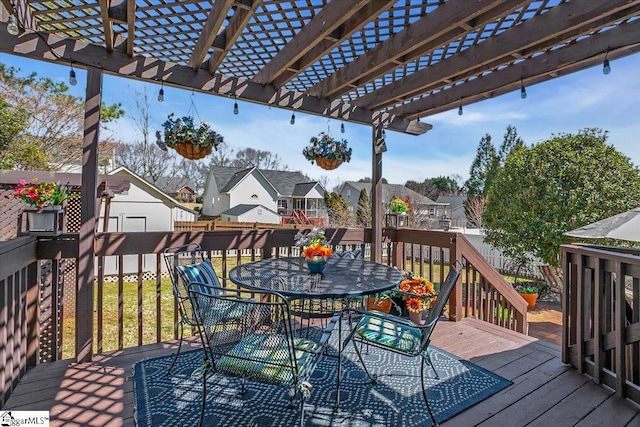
378 61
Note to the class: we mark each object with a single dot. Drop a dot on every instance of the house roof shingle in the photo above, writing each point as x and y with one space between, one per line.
284 182
390 191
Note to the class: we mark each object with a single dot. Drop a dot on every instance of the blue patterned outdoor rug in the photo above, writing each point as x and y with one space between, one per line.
174 400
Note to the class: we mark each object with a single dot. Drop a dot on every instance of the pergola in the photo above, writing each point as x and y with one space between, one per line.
385 63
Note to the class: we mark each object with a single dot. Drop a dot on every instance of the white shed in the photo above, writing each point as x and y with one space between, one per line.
143 208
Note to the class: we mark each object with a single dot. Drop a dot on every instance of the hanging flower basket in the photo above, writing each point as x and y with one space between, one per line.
327 152
188 139
327 163
190 151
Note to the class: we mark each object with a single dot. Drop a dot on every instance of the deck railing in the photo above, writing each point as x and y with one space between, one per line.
483 293
601 309
135 305
19 311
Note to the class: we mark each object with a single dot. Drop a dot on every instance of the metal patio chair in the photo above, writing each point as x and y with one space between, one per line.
399 335
258 346
188 263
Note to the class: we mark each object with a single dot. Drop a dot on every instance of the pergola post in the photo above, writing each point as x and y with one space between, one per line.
86 251
378 147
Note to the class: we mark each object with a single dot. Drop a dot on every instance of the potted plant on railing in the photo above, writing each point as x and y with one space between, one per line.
44 202
188 139
327 152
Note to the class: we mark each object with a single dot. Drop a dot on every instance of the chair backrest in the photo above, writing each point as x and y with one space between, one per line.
444 293
186 264
256 342
356 251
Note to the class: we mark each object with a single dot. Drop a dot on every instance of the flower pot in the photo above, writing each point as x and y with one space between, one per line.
191 152
45 222
416 317
328 164
317 264
530 299
383 305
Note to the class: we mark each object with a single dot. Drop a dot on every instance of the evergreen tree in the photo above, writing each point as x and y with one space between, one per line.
483 168
363 213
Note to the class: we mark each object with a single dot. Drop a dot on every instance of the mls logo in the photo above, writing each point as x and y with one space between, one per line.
5 419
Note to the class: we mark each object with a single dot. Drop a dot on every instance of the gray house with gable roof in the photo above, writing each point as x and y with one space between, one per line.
255 195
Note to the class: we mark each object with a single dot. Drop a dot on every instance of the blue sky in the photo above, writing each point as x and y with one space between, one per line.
563 105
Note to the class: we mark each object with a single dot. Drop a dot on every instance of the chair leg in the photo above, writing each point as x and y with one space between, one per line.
204 395
302 411
372 377
430 362
175 358
424 392
336 406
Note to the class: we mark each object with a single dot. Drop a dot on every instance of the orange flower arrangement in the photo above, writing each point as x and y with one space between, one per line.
317 249
424 294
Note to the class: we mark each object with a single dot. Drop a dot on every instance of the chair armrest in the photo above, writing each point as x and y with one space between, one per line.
384 316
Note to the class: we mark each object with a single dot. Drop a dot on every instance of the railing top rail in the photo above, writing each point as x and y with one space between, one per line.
613 253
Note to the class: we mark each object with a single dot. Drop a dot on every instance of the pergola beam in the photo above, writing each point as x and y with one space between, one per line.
212 26
534 33
107 25
435 29
620 41
40 47
317 29
343 32
223 43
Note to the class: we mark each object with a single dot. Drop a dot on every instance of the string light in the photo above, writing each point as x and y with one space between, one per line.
606 67
72 76
293 118
161 92
460 112
342 127
236 110
12 26
523 91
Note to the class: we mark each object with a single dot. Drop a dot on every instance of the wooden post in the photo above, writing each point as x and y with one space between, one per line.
86 251
378 147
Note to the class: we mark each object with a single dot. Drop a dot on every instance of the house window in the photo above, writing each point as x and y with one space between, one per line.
185 197
348 194
282 204
259 211
254 196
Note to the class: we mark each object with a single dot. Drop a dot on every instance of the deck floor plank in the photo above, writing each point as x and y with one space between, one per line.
545 391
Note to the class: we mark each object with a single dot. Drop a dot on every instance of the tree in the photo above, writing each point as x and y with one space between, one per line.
53 138
434 187
338 210
483 168
363 213
565 182
475 208
261 159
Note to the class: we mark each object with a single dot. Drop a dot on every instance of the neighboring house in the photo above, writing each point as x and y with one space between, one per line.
290 195
182 189
143 208
422 206
250 213
456 206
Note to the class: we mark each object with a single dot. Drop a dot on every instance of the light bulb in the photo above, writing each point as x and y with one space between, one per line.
293 118
384 134
606 68
161 95
523 93
72 78
341 127
12 26
460 112
236 110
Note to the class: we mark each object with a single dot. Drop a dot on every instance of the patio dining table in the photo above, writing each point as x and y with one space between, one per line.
342 279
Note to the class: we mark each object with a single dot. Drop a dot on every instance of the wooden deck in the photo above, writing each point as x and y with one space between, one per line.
545 392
